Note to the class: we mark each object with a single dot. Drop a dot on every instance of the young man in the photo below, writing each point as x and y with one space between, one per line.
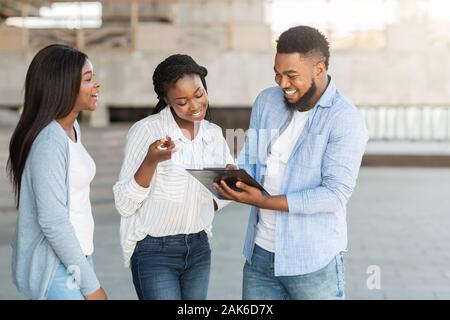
296 237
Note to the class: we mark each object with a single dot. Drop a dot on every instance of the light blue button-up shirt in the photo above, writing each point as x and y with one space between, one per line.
319 178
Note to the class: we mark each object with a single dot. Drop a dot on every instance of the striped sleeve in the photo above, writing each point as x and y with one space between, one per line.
128 194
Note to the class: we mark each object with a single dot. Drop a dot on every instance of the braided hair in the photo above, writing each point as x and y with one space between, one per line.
170 71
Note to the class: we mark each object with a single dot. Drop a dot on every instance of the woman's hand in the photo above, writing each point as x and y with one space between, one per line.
100 294
160 150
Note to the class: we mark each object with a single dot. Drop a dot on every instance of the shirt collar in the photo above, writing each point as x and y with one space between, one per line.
171 128
327 98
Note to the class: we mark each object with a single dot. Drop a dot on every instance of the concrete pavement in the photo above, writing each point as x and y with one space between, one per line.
398 221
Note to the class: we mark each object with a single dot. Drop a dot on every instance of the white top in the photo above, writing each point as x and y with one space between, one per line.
175 202
273 180
81 172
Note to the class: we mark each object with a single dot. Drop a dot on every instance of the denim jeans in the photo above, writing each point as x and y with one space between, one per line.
260 282
64 285
172 267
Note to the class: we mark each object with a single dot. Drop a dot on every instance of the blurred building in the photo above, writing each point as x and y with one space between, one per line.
229 37
396 75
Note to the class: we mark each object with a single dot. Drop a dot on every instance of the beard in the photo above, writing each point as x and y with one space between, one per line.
302 103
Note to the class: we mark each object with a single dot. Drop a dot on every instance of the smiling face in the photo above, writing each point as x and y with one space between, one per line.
188 98
296 75
88 96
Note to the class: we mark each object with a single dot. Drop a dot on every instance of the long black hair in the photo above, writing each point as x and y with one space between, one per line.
170 71
52 85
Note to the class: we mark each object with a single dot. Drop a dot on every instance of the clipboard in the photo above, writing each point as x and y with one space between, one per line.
208 176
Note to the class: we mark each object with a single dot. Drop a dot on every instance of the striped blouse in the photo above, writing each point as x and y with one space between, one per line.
174 202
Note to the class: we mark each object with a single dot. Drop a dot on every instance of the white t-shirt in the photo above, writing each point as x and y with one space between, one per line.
81 172
276 165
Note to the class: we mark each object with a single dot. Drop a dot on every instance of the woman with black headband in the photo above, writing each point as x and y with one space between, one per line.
166 213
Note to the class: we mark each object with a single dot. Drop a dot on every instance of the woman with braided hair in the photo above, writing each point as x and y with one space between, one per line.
166 213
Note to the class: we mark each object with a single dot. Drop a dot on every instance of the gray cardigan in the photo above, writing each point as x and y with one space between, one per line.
44 236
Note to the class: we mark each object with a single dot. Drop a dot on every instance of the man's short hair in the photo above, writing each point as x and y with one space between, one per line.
304 40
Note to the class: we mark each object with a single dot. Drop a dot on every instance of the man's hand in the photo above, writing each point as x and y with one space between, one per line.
249 195
100 294
252 196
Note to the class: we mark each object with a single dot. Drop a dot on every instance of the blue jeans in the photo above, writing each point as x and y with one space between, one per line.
172 267
260 282
64 285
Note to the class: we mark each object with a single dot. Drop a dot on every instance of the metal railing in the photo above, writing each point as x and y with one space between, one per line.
408 123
